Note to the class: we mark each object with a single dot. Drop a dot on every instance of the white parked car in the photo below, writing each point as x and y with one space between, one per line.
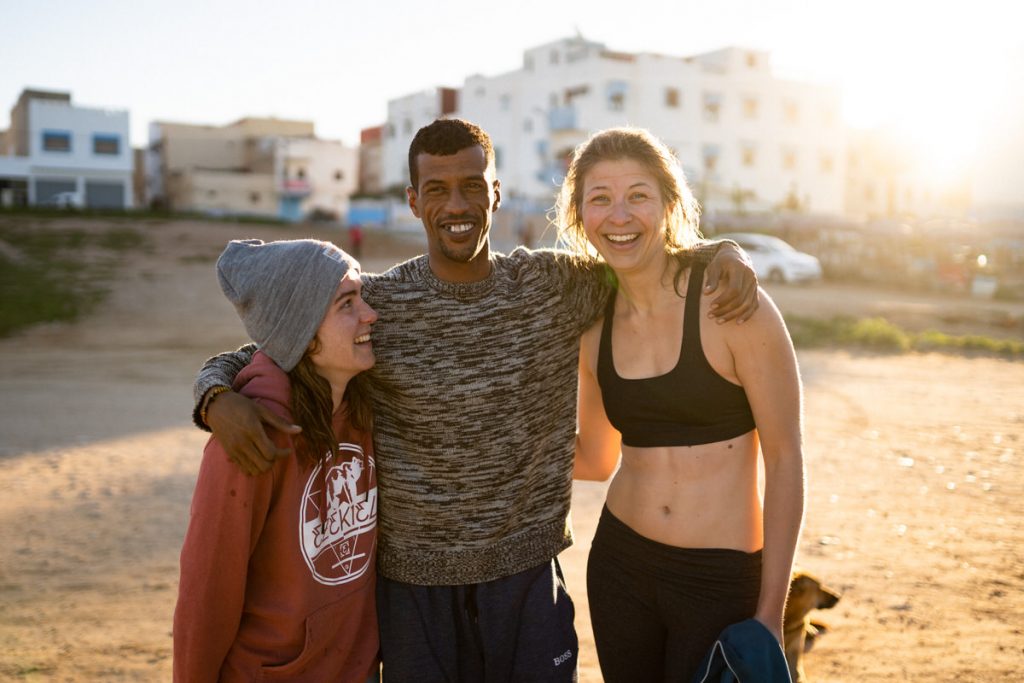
775 260
64 200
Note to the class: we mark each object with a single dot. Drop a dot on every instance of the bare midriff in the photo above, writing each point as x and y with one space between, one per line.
702 496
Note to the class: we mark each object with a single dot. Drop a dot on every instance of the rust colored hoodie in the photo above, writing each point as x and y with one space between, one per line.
278 570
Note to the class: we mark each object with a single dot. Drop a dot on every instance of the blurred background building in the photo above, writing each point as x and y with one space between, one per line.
746 138
60 154
885 178
264 167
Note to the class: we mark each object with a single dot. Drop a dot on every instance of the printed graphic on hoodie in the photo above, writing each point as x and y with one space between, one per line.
339 513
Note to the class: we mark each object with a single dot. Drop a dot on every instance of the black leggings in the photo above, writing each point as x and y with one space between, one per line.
657 609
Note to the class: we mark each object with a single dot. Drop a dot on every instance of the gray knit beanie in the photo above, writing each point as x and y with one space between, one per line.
281 291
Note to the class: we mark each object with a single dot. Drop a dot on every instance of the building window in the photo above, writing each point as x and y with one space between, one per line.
106 144
750 107
56 141
572 93
505 101
407 127
339 176
527 125
712 107
751 60
672 98
791 111
710 154
789 159
254 197
617 95
748 154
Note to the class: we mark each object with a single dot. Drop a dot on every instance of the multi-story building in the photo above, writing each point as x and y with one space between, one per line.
58 152
371 160
886 179
406 115
254 166
746 138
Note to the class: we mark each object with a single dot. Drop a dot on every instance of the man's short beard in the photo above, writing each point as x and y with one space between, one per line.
464 255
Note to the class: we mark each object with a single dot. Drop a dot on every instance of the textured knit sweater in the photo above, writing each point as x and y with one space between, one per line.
475 398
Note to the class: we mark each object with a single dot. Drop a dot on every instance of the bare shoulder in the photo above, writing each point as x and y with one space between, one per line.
763 335
767 313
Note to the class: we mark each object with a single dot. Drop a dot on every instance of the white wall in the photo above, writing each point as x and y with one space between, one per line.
324 161
406 115
80 164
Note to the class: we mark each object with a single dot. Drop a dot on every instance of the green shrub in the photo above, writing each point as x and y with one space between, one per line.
44 276
881 335
875 333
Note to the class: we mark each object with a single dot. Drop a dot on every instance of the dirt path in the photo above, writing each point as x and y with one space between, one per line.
914 507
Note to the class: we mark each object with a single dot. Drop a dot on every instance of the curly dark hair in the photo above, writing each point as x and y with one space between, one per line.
445 137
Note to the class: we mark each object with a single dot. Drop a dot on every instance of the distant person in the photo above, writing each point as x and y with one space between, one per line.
278 570
475 401
355 240
684 547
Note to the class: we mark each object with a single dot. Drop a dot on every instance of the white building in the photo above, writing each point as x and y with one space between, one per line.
406 115
57 151
323 174
742 135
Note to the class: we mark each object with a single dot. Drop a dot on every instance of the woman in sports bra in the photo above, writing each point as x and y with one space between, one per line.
685 546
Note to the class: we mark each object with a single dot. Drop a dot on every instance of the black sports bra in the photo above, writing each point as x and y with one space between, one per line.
690 405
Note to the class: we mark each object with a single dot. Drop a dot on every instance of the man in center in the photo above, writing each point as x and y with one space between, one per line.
475 399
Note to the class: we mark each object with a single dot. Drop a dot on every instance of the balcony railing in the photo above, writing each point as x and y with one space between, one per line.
296 188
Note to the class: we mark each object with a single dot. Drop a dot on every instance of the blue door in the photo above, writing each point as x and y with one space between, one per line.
290 209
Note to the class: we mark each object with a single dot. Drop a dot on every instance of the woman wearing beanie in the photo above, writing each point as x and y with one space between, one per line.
278 569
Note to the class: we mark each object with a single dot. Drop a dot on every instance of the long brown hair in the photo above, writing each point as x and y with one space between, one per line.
312 408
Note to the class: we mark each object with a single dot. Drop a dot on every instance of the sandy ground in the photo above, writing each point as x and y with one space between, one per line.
914 508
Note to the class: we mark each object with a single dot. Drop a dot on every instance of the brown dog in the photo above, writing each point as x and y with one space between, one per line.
806 593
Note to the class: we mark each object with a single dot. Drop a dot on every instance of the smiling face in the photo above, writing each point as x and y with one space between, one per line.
342 345
624 215
455 198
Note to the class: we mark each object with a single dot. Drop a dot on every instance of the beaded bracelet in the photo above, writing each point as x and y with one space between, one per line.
208 399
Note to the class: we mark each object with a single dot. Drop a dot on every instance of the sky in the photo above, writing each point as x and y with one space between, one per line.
948 75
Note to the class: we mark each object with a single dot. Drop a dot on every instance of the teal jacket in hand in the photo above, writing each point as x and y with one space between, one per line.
746 652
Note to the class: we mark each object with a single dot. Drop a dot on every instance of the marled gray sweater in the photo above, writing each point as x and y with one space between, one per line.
475 398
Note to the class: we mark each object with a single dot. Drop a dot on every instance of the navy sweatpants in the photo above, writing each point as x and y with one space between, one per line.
515 629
